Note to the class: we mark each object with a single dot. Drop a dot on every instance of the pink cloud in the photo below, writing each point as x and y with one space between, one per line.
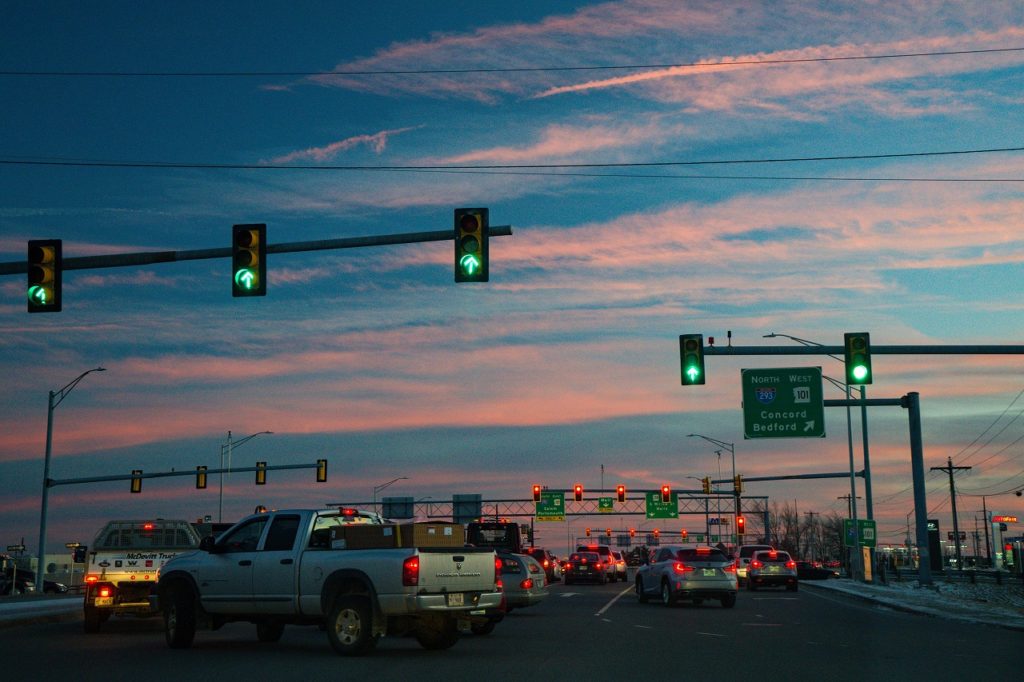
377 142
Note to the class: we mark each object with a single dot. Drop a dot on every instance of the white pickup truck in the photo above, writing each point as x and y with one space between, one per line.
358 580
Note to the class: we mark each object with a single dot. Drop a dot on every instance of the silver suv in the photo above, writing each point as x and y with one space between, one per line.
743 557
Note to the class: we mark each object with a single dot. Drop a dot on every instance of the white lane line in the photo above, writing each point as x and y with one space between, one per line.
711 634
620 595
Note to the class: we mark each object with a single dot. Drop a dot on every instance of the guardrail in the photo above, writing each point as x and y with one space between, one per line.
969 576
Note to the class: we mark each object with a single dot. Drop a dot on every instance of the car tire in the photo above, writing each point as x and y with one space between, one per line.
179 618
483 628
438 635
640 596
350 626
728 601
93 619
269 630
668 598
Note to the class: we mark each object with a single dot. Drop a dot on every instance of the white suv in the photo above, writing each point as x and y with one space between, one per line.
746 552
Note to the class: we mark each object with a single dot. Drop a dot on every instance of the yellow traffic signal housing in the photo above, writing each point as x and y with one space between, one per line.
706 485
200 478
249 260
321 471
471 250
136 480
45 262
261 473
737 483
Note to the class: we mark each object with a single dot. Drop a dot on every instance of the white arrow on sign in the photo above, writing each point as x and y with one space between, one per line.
808 426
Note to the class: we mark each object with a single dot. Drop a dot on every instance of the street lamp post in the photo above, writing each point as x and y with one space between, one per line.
732 451
229 446
378 488
707 514
56 397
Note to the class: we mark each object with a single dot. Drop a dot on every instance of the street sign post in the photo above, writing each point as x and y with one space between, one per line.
551 506
783 402
656 509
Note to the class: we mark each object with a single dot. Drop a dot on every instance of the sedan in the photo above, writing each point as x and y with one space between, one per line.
586 566
688 572
806 570
523 581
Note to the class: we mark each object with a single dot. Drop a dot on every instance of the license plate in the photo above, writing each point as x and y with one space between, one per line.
771 569
104 601
709 572
456 599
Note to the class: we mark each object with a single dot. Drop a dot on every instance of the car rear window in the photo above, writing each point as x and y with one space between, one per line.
585 556
694 554
779 557
748 550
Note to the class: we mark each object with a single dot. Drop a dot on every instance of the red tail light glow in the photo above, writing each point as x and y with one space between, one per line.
411 571
756 564
91 578
498 585
104 592
526 584
680 567
731 568
791 564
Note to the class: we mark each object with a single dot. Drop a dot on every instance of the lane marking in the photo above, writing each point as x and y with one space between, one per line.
617 597
711 634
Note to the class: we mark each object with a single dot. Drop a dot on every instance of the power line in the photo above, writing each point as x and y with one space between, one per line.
513 69
89 163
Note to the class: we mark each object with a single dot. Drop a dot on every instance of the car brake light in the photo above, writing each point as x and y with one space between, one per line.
731 568
546 563
790 564
91 578
756 564
568 566
526 584
680 567
703 550
773 554
104 592
498 585
411 571
348 511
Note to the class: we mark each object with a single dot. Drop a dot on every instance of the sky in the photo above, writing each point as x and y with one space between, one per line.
667 167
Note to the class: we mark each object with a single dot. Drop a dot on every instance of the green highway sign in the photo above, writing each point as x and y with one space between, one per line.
656 509
606 504
866 533
783 402
551 506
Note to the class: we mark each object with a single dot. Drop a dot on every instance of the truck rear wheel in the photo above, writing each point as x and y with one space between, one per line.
350 626
179 618
438 634
93 619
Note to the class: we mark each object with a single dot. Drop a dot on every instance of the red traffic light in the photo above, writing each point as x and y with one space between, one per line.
577 491
536 493
588 532
657 532
608 532
741 525
620 492
632 532
666 493
683 533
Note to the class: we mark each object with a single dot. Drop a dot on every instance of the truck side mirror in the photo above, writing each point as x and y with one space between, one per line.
209 544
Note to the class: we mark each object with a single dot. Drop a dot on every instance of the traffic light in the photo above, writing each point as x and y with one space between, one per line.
249 258
200 478
620 493
737 483
741 525
577 492
705 484
632 532
321 471
588 532
608 532
666 493
78 554
858 358
536 493
657 532
44 275
136 480
261 473
691 355
471 252
684 534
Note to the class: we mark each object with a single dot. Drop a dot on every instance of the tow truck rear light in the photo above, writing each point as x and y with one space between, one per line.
104 592
91 578
411 571
680 567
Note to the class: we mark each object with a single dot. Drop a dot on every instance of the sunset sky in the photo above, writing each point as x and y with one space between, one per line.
667 167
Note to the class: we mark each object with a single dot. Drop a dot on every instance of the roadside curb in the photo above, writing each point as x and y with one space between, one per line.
28 612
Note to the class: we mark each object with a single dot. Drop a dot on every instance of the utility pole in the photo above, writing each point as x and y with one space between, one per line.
849 502
949 469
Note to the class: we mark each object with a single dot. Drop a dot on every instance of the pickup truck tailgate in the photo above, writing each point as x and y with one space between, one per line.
445 570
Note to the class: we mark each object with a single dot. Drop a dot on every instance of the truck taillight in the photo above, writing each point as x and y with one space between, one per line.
411 571
104 591
498 585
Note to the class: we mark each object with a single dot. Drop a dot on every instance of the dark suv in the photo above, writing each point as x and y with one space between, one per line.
605 552
547 561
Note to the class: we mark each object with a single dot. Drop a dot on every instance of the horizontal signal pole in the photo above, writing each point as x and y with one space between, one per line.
121 260
50 482
1009 349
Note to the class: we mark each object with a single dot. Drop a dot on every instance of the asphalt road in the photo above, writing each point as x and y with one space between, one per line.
580 630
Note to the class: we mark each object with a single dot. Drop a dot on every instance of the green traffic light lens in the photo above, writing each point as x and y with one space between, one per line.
38 295
693 372
245 279
469 264
860 372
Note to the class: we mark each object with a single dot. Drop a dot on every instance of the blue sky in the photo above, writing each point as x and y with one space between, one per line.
567 359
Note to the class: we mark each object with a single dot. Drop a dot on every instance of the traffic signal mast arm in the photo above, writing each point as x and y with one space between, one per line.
1009 349
120 260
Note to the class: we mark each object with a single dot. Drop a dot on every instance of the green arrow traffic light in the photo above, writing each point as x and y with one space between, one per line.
691 355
